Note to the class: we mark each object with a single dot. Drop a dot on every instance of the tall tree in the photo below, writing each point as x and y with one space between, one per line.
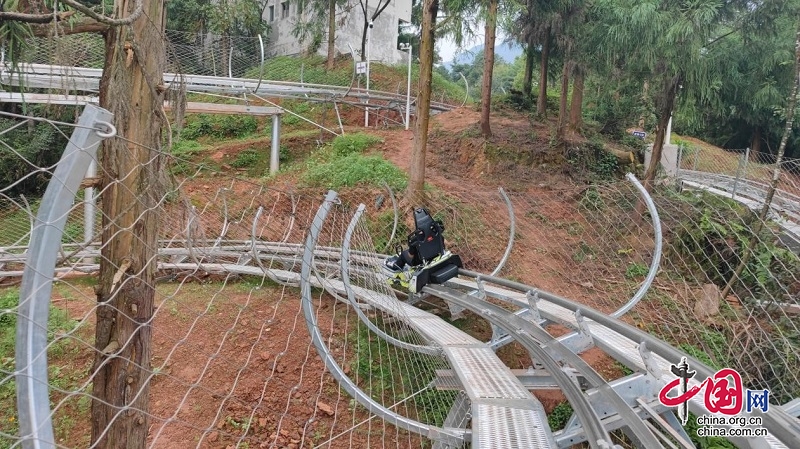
488 68
752 83
791 106
317 20
576 102
330 60
132 88
541 102
667 44
416 182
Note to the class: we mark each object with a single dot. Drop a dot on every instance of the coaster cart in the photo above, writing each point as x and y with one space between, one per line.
426 261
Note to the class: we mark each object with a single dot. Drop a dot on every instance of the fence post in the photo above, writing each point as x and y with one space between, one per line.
738 174
274 157
696 157
33 400
88 212
746 160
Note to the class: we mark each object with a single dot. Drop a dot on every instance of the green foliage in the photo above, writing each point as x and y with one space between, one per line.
558 418
342 164
380 228
691 428
636 270
311 68
593 159
246 158
219 126
58 322
27 148
355 169
712 240
15 36
353 143
184 148
592 200
583 252
390 381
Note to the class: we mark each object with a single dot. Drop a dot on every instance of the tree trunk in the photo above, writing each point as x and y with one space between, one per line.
416 181
331 34
530 53
132 168
645 99
488 68
541 103
527 79
755 144
364 38
664 113
562 103
576 107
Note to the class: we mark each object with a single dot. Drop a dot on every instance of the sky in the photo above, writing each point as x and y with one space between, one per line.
447 48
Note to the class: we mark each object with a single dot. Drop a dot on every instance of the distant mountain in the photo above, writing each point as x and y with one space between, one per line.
508 52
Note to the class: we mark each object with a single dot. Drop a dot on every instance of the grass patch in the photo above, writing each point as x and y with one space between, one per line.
390 374
343 164
58 322
557 419
219 126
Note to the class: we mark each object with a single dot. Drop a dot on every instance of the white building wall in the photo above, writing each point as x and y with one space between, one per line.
282 16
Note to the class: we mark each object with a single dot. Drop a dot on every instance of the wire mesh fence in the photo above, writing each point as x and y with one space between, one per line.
232 360
224 56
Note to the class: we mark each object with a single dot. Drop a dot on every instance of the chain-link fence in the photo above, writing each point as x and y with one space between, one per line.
231 359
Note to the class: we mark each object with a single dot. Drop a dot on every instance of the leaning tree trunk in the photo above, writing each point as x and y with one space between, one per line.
664 113
416 181
488 69
541 103
331 34
576 106
132 89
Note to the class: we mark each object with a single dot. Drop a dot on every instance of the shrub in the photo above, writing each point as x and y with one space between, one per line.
557 419
355 169
353 143
712 240
342 164
41 144
219 126
247 158
184 148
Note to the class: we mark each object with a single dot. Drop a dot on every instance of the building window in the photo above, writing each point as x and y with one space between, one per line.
284 10
271 13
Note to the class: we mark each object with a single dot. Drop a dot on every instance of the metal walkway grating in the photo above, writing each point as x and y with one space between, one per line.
507 427
484 376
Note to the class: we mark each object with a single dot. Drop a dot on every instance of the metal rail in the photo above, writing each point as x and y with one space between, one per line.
597 436
651 273
780 424
345 273
336 371
43 76
541 344
33 401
